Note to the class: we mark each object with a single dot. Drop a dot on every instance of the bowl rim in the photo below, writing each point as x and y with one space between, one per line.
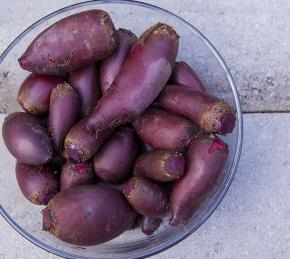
234 164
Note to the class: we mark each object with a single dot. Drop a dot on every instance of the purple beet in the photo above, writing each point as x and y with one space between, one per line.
37 183
88 215
184 75
111 66
26 139
114 161
34 93
74 173
64 112
85 81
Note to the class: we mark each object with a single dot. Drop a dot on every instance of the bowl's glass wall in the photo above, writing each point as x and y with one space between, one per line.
193 49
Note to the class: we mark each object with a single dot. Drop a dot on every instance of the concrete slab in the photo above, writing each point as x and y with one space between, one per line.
251 222
253 37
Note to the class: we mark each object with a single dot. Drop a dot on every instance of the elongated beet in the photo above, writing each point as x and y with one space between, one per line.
149 225
160 165
34 93
64 112
208 112
80 144
163 130
114 161
74 173
111 65
143 75
146 197
37 183
26 139
183 74
88 215
206 158
85 81
70 43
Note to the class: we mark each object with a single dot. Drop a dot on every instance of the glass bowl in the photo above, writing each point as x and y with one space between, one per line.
205 60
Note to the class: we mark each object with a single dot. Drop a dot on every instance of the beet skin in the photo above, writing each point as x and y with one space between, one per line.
160 165
184 75
70 43
141 79
26 139
114 161
164 130
64 112
85 81
34 93
88 215
206 158
146 197
80 144
111 65
74 173
37 183
149 225
208 112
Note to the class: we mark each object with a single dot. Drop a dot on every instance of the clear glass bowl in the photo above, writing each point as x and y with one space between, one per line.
197 51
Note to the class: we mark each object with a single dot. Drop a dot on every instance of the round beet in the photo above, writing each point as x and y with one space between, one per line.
85 81
146 197
64 112
114 161
37 183
34 93
74 174
26 139
88 215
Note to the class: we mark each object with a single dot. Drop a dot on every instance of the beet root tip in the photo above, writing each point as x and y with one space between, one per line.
227 121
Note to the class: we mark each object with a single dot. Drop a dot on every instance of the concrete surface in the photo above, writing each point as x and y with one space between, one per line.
251 222
252 36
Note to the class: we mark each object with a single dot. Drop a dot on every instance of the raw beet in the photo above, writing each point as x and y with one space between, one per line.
208 112
37 183
149 225
114 161
111 65
80 144
160 165
184 75
64 113
70 43
88 215
164 130
146 197
34 93
85 81
74 173
26 139
206 158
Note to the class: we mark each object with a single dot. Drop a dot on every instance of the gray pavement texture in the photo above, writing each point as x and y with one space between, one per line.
252 36
251 222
